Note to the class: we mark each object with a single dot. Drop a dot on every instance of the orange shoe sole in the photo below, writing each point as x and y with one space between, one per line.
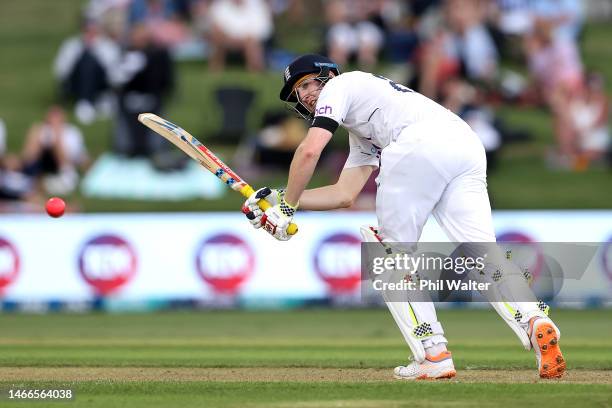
552 361
444 376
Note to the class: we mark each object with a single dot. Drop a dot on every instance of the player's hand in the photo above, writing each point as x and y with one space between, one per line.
276 219
252 210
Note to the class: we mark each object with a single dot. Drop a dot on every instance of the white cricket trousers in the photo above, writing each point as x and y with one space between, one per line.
434 168
437 168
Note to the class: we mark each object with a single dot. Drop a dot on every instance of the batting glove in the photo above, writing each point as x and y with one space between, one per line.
276 219
252 210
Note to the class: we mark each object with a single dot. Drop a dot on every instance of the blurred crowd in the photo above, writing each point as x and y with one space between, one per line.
53 155
458 52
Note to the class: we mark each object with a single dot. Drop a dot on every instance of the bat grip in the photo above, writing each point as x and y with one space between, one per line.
247 190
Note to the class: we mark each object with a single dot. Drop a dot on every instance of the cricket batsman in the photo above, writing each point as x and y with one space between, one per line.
430 162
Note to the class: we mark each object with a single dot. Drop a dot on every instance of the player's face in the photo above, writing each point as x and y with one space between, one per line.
308 93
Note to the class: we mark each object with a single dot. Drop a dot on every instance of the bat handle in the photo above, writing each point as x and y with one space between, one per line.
247 190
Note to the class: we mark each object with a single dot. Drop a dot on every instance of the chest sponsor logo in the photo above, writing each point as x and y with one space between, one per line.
324 110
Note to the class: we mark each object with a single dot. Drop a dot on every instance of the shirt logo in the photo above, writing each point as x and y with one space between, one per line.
324 110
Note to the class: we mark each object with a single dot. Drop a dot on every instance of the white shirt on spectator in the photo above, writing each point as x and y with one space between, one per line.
104 49
479 52
249 18
72 142
515 16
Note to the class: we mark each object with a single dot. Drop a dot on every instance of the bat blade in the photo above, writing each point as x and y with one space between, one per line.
193 148
200 153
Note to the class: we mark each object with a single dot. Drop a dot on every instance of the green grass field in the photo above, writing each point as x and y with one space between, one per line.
310 358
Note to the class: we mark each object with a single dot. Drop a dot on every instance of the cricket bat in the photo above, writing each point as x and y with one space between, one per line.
200 153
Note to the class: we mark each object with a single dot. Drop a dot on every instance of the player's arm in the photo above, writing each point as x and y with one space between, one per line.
304 162
339 195
276 219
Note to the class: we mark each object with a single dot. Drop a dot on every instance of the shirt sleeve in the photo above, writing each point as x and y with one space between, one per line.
333 101
361 153
67 56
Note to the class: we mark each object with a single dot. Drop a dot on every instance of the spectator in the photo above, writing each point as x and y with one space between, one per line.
469 35
351 31
148 79
401 37
564 16
82 66
14 184
590 116
163 20
112 15
509 21
436 63
239 25
460 47
556 70
16 189
54 151
512 17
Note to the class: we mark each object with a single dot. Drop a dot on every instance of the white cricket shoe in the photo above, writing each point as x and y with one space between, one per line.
433 368
544 337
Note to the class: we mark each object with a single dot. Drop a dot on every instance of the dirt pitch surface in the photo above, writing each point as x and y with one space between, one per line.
279 375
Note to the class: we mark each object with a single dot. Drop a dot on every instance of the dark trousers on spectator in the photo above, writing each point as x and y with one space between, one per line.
131 138
87 80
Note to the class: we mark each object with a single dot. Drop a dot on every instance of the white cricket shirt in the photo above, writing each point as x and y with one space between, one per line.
374 110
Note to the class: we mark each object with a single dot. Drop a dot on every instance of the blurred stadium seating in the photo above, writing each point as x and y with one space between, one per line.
525 175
